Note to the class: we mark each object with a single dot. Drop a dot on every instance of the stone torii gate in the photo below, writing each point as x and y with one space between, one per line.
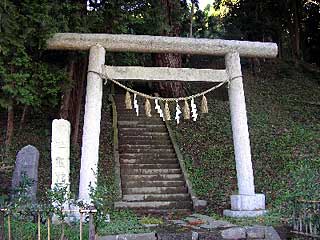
244 204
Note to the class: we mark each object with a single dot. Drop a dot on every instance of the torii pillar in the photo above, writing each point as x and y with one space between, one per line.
91 125
246 203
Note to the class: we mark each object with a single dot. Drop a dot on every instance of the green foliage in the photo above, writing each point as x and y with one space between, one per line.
284 134
25 77
122 221
27 230
151 220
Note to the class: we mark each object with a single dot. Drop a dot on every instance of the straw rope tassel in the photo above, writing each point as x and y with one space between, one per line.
128 101
167 112
147 108
186 110
204 105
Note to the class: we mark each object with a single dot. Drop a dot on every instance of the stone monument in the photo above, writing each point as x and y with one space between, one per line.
26 166
60 153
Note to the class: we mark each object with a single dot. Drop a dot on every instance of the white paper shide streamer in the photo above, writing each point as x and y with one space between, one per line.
158 108
135 104
194 110
178 112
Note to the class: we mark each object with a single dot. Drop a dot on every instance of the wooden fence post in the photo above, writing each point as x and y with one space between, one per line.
81 214
2 230
48 225
9 227
92 230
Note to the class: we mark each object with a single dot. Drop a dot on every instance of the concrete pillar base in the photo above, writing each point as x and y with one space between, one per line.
248 202
246 206
243 214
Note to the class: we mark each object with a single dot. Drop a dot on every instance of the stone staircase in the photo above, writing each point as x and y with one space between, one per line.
151 177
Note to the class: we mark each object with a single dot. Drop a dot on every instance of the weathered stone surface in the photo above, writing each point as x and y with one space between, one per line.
91 124
199 204
234 233
202 217
179 222
255 232
27 162
239 124
241 214
165 74
140 236
248 202
160 44
209 236
210 223
195 236
174 236
60 153
271 234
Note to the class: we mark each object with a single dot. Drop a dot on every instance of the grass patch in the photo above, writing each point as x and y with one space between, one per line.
151 220
27 230
122 221
285 142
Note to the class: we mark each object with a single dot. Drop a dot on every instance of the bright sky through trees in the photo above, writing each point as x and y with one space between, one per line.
204 3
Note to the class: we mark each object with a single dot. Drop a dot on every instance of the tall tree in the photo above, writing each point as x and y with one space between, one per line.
172 17
26 77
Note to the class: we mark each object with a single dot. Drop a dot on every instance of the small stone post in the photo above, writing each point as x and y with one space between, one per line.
60 153
246 203
91 126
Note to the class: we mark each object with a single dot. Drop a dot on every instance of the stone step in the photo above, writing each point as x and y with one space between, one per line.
139 133
145 146
156 197
149 161
144 137
152 180
155 190
150 166
164 212
132 113
155 205
133 116
150 135
125 124
147 155
143 140
130 171
152 177
130 184
142 120
146 150
160 129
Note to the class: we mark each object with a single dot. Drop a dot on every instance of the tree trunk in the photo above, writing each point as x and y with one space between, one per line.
80 77
10 124
170 89
295 29
191 20
23 117
64 109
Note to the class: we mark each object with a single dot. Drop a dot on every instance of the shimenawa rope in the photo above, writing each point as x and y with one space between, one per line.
106 77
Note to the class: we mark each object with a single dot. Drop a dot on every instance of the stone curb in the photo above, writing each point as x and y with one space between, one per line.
140 236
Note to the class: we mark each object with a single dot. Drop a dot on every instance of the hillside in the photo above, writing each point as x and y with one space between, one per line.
283 113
